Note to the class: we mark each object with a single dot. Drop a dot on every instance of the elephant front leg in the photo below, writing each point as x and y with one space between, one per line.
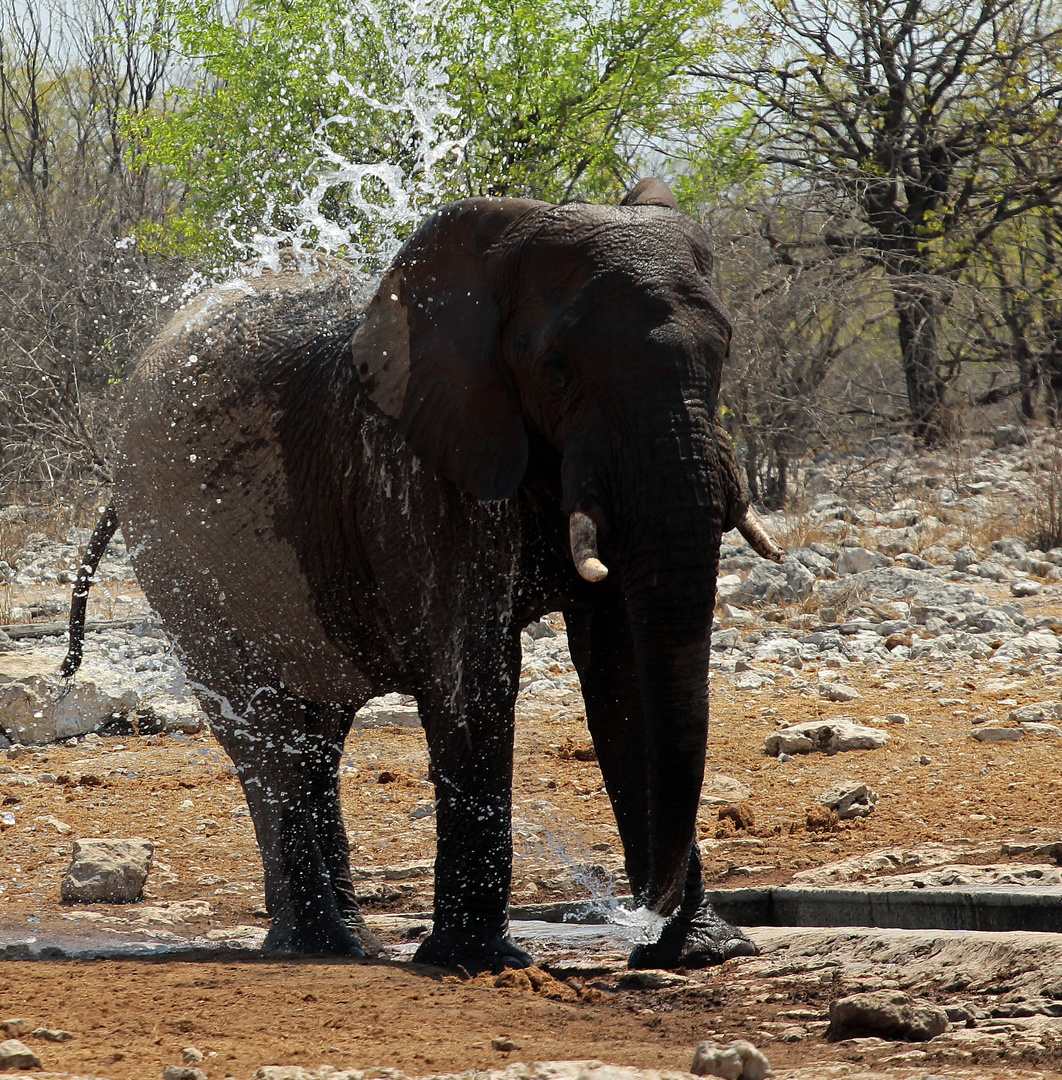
470 739
695 936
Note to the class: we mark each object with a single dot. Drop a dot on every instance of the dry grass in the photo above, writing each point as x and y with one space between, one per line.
801 530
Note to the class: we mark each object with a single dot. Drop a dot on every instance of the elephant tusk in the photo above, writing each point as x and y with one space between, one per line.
759 539
583 535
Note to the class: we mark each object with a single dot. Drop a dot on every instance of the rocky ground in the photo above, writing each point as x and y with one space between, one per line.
885 709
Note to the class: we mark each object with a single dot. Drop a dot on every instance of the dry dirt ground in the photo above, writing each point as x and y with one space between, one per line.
130 1018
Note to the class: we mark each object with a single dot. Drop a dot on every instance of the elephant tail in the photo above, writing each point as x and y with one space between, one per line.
97 545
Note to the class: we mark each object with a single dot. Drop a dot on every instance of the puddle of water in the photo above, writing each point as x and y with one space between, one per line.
62 942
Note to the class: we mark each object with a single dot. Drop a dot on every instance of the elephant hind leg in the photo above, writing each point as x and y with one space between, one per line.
327 731
286 753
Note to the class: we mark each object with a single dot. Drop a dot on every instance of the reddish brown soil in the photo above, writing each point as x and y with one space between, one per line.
131 1018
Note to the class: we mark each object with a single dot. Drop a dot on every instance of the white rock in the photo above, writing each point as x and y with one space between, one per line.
1042 712
829 736
751 680
719 788
60 827
17 1055
112 871
835 691
997 734
726 585
174 714
36 706
780 649
855 560
1033 728
389 711
1035 643
897 718
772 584
849 798
1025 587
737 1060
183 1072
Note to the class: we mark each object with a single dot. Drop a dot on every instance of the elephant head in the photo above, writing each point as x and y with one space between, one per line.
586 341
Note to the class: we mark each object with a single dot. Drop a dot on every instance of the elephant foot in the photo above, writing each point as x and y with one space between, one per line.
335 940
471 952
697 941
370 944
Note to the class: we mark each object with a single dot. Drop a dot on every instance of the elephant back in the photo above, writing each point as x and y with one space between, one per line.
242 310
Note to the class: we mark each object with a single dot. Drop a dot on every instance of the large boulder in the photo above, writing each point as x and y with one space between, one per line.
923 587
36 706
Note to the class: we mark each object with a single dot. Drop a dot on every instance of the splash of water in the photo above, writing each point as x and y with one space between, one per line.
602 901
375 203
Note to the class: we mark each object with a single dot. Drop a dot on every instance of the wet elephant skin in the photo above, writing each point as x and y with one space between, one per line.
330 496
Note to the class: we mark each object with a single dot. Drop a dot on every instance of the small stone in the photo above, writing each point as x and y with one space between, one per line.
997 734
751 680
829 736
885 1014
17 1055
56 1035
897 718
183 1072
849 798
720 788
13 1027
504 1044
60 827
835 691
737 1060
111 871
191 1055
1025 587
1041 713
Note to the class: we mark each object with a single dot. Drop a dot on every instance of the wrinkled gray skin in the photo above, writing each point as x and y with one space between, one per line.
327 502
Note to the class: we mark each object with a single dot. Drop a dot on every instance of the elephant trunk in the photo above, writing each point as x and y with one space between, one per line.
663 504
671 647
668 573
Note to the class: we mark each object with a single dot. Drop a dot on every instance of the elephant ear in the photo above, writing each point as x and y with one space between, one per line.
427 352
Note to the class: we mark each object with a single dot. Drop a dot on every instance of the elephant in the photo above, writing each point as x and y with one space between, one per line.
331 493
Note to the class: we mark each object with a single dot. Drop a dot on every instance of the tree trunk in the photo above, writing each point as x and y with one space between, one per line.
1051 366
918 315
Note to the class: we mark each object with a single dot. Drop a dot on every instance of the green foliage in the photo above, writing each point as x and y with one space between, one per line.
342 123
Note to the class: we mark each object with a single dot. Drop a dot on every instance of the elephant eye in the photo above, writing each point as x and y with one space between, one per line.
557 371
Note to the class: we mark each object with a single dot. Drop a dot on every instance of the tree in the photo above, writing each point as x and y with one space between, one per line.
76 297
927 124
340 124
799 313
